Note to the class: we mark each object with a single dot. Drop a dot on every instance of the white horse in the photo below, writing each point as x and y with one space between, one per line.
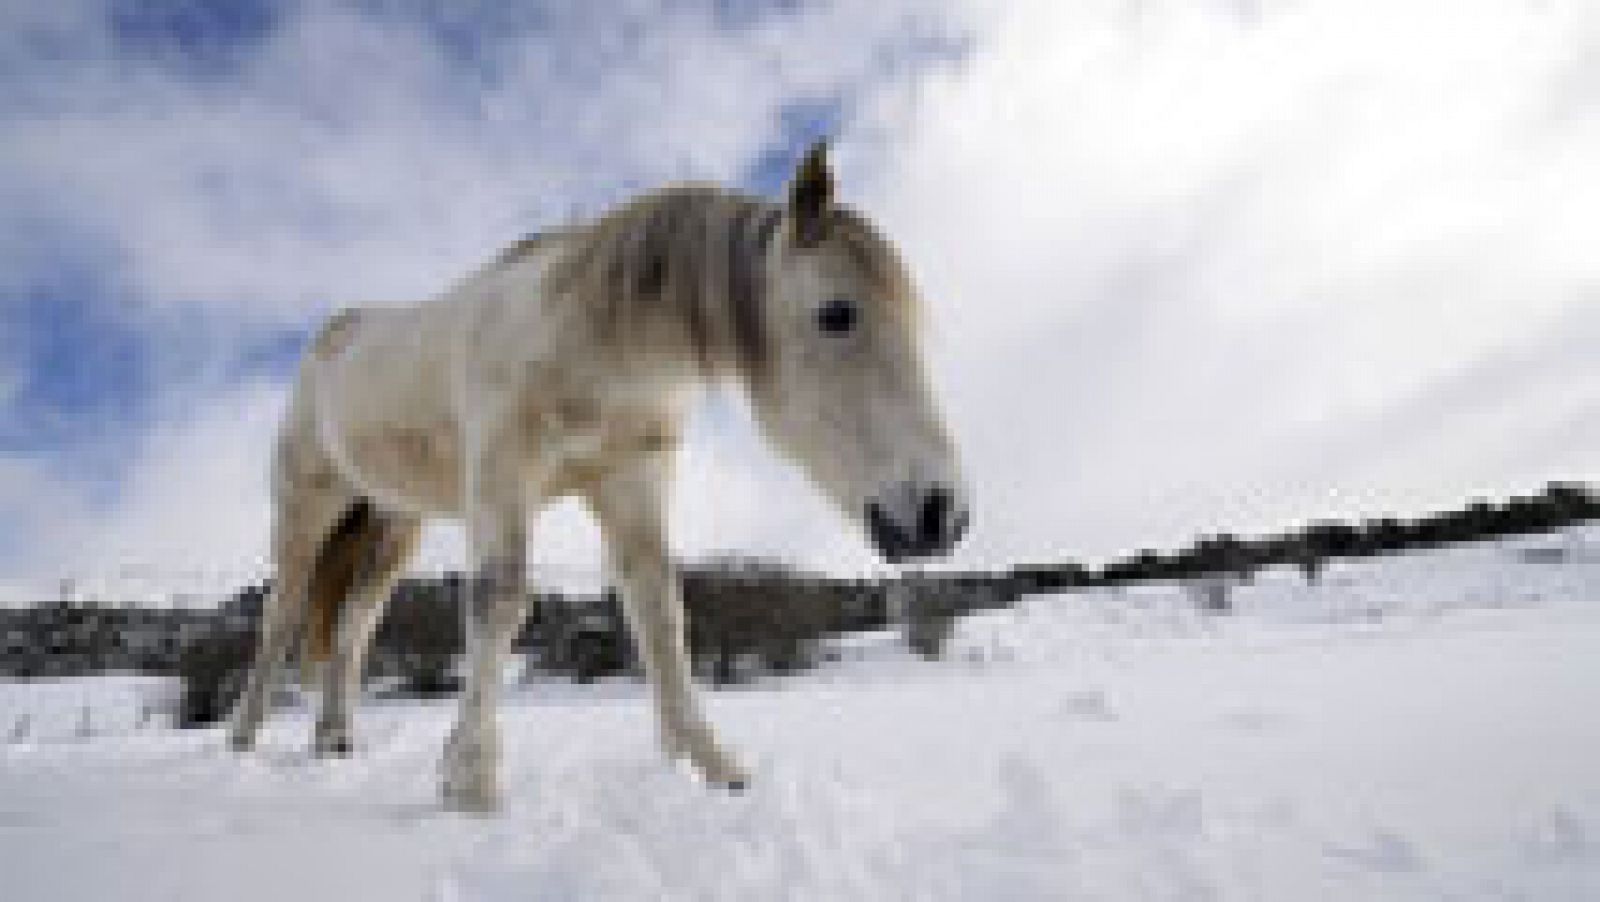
564 367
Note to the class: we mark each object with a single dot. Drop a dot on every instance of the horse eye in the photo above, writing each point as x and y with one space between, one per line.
838 315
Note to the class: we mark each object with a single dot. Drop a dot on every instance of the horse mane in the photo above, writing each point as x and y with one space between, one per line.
525 246
691 256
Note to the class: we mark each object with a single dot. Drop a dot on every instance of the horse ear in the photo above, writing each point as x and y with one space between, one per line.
811 195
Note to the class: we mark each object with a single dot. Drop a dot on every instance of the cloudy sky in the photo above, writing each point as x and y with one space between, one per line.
1191 266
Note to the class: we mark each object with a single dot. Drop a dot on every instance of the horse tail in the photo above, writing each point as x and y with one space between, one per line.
339 563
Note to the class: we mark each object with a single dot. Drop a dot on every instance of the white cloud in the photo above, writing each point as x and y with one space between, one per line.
194 497
1180 253
354 158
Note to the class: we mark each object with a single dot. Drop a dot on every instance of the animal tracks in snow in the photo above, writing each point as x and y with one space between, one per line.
1088 705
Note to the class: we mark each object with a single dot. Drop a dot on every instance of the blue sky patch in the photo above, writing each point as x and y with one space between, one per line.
203 38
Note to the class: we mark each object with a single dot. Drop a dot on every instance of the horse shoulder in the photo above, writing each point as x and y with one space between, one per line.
506 338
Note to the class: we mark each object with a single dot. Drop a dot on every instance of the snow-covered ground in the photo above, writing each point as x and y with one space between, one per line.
1414 728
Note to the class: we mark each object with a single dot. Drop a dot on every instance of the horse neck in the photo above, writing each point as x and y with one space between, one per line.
679 274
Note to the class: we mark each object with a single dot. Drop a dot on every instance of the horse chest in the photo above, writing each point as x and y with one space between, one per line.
574 444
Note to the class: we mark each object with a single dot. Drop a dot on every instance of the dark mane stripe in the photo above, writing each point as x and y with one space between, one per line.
752 233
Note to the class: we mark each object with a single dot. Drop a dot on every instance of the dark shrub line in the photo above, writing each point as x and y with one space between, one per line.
746 617
1560 505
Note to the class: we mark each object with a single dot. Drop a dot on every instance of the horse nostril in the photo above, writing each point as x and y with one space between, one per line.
889 539
934 524
933 521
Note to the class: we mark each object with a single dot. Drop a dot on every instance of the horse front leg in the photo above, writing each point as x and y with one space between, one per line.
629 508
494 608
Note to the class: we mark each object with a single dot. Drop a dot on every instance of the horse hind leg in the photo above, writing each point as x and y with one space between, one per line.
364 563
302 519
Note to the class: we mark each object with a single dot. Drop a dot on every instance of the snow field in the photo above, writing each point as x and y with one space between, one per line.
1410 728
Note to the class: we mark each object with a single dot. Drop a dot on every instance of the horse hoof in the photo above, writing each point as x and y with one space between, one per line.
333 746
476 807
732 781
469 800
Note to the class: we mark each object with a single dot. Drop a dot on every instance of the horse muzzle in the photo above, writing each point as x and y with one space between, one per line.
916 522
